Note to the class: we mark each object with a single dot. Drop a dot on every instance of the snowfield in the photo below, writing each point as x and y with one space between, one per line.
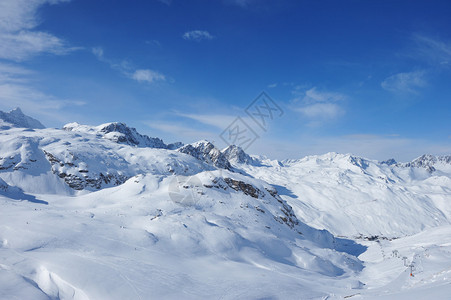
103 212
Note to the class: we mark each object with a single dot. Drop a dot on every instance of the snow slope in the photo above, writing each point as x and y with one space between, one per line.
356 197
103 212
136 240
58 161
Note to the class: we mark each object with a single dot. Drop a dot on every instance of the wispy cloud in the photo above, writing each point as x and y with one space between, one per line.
140 75
197 35
434 49
18 39
11 73
322 111
17 90
146 75
313 95
408 82
318 106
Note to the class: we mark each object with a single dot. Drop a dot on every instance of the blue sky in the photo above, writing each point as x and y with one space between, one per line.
372 78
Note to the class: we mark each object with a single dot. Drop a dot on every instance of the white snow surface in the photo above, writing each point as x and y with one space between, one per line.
83 216
355 197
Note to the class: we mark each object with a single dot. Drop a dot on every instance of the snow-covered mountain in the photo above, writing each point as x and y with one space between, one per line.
356 197
235 154
122 134
103 212
16 118
207 152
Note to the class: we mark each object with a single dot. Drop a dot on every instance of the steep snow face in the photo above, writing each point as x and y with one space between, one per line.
356 197
122 134
235 154
207 152
16 118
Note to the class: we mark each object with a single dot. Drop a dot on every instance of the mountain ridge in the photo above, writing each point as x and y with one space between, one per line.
16 118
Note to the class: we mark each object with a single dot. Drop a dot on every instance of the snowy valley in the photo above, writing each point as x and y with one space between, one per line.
104 212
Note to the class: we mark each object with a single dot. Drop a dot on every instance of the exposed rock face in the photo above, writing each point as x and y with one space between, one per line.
17 119
247 189
286 216
3 186
359 162
427 161
122 134
389 162
207 152
237 155
78 176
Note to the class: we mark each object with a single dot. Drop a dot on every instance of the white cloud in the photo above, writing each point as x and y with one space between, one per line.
140 75
405 82
98 52
18 40
17 90
435 50
197 35
10 73
146 75
322 111
318 106
313 95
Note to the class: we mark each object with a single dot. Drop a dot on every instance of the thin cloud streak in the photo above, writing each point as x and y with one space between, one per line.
140 75
433 49
17 90
197 35
409 82
18 39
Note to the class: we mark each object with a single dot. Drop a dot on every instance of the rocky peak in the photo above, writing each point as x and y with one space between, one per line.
18 119
236 154
389 162
207 152
428 162
359 162
120 133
